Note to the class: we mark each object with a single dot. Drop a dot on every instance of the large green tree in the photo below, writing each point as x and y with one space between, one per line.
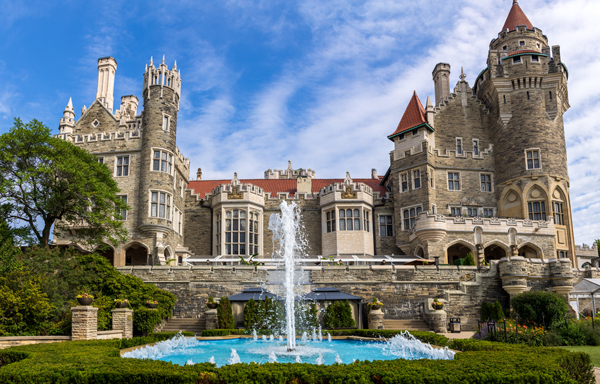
47 181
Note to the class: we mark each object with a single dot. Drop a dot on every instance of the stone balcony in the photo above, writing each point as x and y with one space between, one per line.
434 227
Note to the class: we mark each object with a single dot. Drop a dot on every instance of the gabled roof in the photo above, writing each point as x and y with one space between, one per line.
414 117
275 186
516 17
253 293
329 294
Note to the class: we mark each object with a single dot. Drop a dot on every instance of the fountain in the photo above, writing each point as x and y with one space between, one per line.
287 232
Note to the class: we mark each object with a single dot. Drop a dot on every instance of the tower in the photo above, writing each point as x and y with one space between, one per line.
107 67
525 89
159 156
67 122
441 79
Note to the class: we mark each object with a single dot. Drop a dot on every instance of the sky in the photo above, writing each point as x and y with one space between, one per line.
320 83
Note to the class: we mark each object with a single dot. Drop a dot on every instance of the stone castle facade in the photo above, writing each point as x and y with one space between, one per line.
481 170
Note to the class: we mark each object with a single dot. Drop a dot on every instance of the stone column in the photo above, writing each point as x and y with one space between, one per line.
437 320
562 273
122 318
514 275
211 319
84 323
376 319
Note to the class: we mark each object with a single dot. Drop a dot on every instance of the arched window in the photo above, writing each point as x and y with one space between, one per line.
558 207
536 204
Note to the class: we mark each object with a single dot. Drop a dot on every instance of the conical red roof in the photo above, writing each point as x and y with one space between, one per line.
413 116
516 17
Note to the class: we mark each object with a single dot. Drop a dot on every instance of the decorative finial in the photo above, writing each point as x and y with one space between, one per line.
163 59
462 74
515 2
146 67
70 105
175 65
289 164
150 60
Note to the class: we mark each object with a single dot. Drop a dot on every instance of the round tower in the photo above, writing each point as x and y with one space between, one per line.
67 122
525 88
441 80
158 190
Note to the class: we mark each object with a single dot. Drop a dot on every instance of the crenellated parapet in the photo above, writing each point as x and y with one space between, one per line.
519 273
289 173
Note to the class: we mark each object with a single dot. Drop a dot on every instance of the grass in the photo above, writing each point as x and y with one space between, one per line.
594 353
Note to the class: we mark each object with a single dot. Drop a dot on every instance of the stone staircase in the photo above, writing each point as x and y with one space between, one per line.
406 325
185 324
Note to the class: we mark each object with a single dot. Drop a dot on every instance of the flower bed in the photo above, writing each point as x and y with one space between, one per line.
99 362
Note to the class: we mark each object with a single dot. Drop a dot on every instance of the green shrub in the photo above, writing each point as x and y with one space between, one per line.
469 259
307 316
497 312
144 320
579 365
485 311
264 314
223 332
225 314
538 307
250 314
338 315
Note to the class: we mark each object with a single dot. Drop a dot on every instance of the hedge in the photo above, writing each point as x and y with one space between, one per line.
100 362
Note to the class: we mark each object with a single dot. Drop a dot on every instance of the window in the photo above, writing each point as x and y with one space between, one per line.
366 224
96 123
165 126
488 212
431 178
504 96
385 226
416 179
218 233
550 95
404 182
522 43
122 213
528 98
459 146
331 221
235 232
476 147
163 162
486 183
410 217
101 160
472 212
455 212
559 216
453 181
349 220
177 220
401 136
561 254
181 188
505 48
537 210
123 166
253 233
160 205
415 132
535 59
533 159
516 60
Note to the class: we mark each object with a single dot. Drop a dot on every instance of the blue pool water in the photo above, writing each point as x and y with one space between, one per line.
188 350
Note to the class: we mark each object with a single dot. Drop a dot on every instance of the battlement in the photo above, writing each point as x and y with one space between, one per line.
289 173
185 161
129 134
163 77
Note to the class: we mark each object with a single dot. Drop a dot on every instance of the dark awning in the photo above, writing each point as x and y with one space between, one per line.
254 293
329 294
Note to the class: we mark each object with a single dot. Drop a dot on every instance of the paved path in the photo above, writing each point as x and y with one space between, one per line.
462 335
597 372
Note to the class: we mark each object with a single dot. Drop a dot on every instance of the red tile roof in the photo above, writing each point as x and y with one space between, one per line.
516 16
202 187
414 115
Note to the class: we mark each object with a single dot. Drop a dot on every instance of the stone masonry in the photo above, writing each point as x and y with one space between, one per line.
84 321
122 319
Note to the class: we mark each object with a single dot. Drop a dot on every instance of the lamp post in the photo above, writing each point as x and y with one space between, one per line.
505 334
517 327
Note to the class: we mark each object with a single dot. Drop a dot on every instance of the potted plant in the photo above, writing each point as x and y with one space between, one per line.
211 304
121 303
375 304
151 304
85 299
437 305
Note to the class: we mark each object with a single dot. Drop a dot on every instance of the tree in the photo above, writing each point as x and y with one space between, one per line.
539 307
225 314
469 259
48 181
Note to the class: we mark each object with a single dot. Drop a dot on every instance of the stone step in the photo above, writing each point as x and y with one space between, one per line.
195 325
408 324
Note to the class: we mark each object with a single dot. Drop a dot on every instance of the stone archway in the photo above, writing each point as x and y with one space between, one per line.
528 252
136 254
420 252
457 251
494 252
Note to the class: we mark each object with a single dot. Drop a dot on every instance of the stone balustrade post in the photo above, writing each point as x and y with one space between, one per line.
122 318
376 319
84 323
437 320
514 274
211 319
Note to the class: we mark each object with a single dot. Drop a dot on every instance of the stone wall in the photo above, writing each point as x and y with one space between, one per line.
13 341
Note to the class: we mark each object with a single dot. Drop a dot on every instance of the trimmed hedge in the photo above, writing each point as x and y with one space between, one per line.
100 362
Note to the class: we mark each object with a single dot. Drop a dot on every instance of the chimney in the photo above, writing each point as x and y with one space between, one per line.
107 66
374 174
304 185
441 79
199 174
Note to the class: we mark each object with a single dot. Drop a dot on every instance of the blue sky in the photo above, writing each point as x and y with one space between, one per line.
321 83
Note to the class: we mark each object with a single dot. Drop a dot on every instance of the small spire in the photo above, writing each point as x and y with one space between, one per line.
150 60
163 59
146 67
462 74
175 65
70 105
429 103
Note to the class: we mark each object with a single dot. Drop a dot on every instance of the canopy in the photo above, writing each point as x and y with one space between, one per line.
254 293
587 287
329 294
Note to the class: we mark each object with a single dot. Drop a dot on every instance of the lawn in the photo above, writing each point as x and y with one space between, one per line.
594 353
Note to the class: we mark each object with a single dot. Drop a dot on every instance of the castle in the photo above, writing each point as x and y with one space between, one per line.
481 170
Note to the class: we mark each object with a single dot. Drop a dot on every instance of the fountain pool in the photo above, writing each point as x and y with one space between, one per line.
185 350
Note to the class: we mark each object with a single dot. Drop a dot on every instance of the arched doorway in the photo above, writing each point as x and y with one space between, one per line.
108 252
494 252
528 252
419 252
179 260
167 254
457 251
136 254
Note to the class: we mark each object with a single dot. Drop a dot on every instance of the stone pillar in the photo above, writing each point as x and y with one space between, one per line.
562 273
376 319
211 319
122 318
437 320
514 274
84 323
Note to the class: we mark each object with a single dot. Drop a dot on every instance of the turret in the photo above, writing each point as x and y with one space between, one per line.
107 67
165 78
441 79
67 122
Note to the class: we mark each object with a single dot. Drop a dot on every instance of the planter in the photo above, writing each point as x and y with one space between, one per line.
151 306
376 307
85 300
122 305
437 306
212 305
